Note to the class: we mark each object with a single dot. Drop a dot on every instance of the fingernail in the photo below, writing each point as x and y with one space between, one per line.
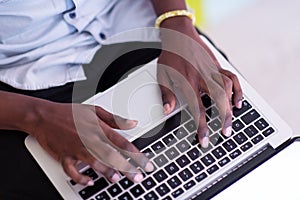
90 183
138 178
149 167
228 131
167 108
239 104
115 178
131 122
205 142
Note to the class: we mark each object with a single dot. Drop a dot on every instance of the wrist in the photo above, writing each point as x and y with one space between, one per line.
33 115
180 24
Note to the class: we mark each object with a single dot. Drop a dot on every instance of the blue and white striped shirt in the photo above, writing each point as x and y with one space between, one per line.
43 43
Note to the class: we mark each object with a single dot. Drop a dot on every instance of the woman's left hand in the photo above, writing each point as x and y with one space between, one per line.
188 64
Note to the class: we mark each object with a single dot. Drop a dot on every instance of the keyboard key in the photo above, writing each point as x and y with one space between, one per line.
246 146
171 168
219 152
216 139
189 185
160 161
114 190
91 190
251 131
240 138
224 161
185 174
190 126
73 182
151 196
250 116
257 139
235 154
205 150
206 100
261 124
137 191
177 193
162 190
158 147
237 125
208 160
167 198
268 132
161 130
212 112
148 183
201 177
125 196
160 175
172 153
102 196
89 172
180 133
194 153
215 124
212 169
174 182
148 153
183 161
229 145
196 167
125 183
183 146
245 106
193 139
169 140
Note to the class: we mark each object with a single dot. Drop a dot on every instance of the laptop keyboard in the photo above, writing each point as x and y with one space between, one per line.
181 163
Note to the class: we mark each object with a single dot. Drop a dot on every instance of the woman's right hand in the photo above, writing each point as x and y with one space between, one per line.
77 132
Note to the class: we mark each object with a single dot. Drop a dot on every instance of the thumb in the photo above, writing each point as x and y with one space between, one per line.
115 121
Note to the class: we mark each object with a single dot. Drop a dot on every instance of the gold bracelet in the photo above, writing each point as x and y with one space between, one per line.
174 13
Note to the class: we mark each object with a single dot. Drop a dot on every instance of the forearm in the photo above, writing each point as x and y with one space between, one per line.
18 112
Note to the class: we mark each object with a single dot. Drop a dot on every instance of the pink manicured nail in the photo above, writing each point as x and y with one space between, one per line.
149 167
138 178
90 183
239 104
205 142
228 131
115 178
167 108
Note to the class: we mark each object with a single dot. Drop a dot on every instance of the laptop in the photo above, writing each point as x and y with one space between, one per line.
184 170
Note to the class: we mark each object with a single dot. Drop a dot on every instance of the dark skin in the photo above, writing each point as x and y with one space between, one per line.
58 127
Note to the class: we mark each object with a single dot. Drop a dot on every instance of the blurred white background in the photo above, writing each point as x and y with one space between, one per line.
262 40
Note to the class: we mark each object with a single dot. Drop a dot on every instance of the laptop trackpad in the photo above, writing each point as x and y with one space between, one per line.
138 97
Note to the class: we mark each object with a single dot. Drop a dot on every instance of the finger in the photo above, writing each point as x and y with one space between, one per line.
168 97
115 121
128 149
237 89
69 166
197 109
221 93
111 174
113 159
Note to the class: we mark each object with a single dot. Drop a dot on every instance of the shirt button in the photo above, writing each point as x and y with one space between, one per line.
72 15
102 36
